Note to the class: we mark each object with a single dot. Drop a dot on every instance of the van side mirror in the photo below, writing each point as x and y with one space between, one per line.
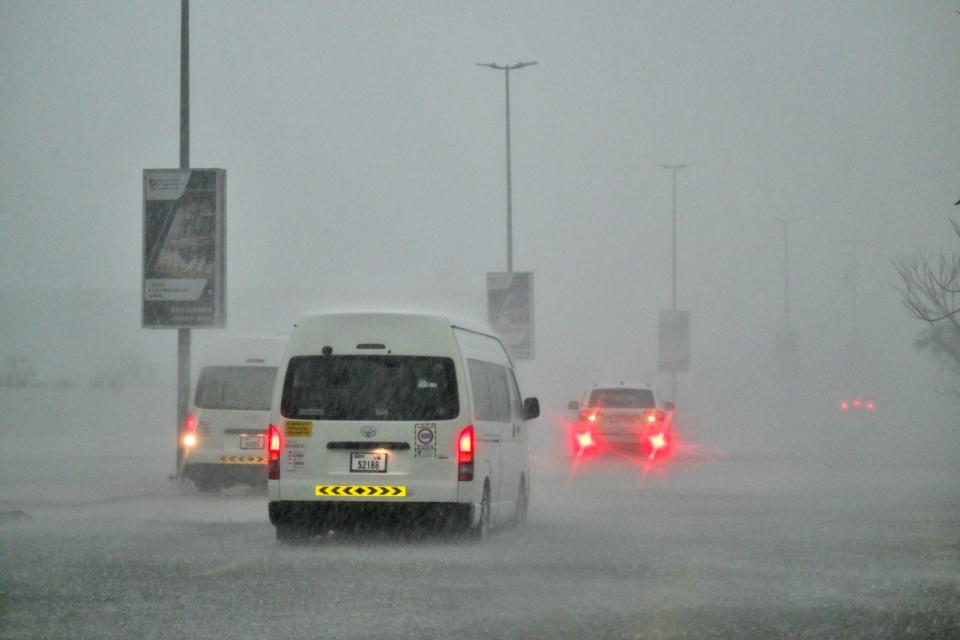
531 408
574 405
670 406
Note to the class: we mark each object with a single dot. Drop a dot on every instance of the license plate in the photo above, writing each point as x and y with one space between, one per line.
368 462
252 442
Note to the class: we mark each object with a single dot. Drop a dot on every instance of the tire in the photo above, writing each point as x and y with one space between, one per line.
482 531
523 503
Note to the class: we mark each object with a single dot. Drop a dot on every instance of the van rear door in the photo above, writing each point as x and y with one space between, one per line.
370 427
233 410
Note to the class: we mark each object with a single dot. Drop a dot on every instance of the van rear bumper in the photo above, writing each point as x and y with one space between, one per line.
318 515
226 474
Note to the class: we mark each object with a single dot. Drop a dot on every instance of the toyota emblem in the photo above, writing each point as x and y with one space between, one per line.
368 431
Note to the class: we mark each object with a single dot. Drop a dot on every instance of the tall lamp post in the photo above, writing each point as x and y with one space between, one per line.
674 168
786 270
506 77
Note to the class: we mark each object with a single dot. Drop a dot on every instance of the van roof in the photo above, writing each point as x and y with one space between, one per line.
449 320
399 332
239 351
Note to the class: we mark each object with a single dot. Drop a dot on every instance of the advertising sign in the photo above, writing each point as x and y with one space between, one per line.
675 341
184 262
510 310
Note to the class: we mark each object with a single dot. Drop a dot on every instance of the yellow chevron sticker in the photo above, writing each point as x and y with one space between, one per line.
358 491
243 459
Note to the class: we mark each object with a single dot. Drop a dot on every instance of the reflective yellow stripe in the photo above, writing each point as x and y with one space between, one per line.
243 459
359 491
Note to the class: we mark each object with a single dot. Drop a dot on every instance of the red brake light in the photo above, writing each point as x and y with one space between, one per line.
856 404
465 454
870 406
189 439
585 440
844 405
658 441
274 444
588 415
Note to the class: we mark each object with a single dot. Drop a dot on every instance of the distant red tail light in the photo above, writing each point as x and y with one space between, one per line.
465 454
588 415
844 405
189 439
870 406
274 445
585 440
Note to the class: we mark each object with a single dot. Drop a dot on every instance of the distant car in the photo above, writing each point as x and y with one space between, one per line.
622 417
224 437
857 404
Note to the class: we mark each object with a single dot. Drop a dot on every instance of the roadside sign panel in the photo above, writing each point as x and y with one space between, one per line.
184 261
510 310
674 341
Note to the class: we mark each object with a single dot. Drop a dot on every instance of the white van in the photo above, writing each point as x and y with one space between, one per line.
389 415
224 436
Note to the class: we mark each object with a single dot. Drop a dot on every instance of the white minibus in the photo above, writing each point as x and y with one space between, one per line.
408 418
224 437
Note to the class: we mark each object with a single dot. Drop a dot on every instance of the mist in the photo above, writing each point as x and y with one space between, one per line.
365 157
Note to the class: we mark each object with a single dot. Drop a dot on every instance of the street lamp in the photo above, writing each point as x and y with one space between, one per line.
674 168
786 269
506 75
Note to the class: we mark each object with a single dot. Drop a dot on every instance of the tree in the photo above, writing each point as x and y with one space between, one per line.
931 293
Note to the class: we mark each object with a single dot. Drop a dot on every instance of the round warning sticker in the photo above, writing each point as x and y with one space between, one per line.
426 436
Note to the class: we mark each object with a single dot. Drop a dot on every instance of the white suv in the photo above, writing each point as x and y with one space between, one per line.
622 417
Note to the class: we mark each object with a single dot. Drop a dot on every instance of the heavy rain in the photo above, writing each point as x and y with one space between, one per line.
718 240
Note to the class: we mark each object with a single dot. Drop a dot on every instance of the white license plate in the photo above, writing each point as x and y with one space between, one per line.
368 462
252 442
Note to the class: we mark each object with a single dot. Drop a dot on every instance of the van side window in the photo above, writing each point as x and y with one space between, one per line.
516 402
491 392
482 399
501 392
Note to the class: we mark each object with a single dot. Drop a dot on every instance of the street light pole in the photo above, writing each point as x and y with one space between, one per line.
506 78
183 334
786 269
674 168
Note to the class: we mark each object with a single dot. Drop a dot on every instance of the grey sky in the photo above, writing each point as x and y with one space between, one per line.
364 152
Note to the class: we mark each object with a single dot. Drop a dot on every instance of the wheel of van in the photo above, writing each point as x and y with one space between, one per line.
482 530
523 503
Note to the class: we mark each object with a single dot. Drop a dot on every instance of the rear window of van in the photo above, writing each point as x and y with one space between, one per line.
235 388
351 387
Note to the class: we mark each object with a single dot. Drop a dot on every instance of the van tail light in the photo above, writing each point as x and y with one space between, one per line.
588 415
465 449
189 438
274 444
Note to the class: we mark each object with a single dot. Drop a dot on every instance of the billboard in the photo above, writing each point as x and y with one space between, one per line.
674 334
184 262
510 310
